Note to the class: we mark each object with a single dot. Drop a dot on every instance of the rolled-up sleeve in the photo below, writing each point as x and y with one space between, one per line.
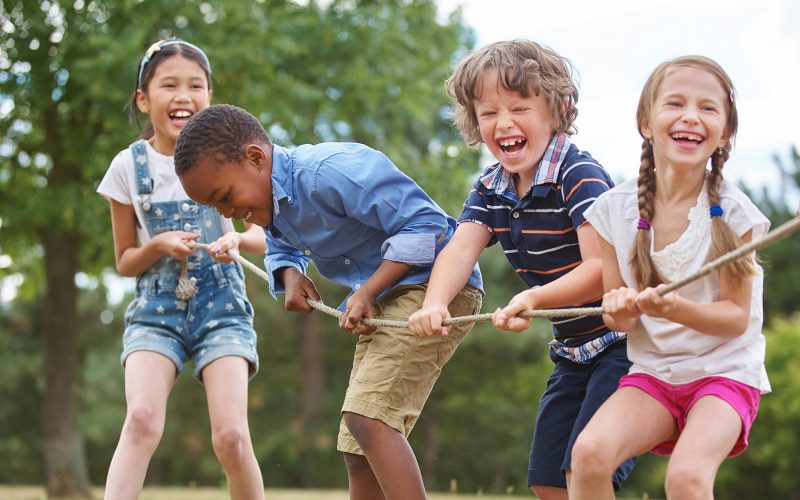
414 249
279 256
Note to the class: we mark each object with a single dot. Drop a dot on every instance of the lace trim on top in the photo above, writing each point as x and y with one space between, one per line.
671 260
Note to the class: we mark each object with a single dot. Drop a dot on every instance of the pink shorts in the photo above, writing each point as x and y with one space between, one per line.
679 399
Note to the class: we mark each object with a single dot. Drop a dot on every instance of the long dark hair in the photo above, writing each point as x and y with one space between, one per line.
155 55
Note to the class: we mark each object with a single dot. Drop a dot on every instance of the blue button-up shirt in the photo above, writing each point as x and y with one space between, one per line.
347 207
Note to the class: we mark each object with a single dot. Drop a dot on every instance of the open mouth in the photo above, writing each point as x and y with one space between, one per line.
687 139
511 146
179 116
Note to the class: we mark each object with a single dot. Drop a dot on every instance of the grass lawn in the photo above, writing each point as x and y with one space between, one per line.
152 493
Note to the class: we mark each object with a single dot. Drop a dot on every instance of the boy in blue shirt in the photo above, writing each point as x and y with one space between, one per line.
366 225
518 98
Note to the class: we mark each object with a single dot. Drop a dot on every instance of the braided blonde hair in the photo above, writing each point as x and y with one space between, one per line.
723 239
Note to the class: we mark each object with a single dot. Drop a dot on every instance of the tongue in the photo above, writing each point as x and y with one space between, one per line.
179 122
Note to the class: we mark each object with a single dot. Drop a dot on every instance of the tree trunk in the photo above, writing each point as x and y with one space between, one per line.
64 454
313 391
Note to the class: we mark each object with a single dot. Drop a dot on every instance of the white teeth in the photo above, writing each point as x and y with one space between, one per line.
181 114
689 137
248 217
510 143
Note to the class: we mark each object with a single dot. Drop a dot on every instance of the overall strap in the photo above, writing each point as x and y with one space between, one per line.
144 183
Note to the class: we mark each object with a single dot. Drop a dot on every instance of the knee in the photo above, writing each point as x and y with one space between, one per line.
230 443
688 481
591 458
548 492
143 425
356 463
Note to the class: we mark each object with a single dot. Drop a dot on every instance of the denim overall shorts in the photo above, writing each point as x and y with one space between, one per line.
217 321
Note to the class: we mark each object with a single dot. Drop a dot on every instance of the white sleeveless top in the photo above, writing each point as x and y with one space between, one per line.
671 351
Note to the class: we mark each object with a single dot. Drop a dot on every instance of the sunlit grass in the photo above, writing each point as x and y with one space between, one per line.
152 493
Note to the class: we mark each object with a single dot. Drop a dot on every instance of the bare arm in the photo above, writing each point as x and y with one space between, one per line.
133 260
583 284
450 273
251 240
361 303
727 317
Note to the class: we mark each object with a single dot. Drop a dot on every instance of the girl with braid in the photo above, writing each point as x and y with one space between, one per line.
697 353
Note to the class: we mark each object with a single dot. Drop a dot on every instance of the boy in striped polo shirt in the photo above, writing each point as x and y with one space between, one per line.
518 98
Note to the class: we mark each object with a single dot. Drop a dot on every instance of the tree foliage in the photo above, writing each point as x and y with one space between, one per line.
364 70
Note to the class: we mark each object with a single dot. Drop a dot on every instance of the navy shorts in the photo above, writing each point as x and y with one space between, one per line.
574 392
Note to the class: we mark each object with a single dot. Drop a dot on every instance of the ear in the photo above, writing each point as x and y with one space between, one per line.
255 155
724 139
141 101
647 131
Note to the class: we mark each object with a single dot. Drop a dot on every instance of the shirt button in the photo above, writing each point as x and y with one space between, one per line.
187 227
347 261
289 199
357 287
307 252
516 215
185 207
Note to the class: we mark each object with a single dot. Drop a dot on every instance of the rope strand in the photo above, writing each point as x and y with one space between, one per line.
772 237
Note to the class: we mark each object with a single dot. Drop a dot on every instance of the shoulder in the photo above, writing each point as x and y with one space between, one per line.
621 198
580 164
333 153
740 212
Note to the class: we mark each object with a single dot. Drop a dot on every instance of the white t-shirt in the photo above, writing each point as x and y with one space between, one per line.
671 351
119 184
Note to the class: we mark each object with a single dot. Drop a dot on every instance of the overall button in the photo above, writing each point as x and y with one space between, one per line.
187 227
307 252
516 215
185 207
357 287
347 261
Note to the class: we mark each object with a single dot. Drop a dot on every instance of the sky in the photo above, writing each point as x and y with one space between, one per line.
615 44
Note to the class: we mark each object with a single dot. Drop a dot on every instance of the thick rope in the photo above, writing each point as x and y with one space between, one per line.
772 237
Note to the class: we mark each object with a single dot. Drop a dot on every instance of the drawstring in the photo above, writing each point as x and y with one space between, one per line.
186 288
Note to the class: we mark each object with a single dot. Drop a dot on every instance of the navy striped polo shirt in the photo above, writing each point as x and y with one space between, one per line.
538 232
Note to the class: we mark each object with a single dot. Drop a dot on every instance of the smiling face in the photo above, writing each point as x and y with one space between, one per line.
516 129
177 89
687 122
240 190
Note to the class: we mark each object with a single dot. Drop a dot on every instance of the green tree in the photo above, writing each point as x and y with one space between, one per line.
370 71
782 275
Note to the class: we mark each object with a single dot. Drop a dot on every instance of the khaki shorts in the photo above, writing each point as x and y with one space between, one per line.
393 370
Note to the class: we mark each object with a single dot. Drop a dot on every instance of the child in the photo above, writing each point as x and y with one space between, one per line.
366 226
187 306
518 98
697 353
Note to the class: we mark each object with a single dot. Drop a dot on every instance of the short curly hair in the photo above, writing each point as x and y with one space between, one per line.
523 66
219 132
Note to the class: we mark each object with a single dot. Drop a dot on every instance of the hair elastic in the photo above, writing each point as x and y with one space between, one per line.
715 211
643 224
160 45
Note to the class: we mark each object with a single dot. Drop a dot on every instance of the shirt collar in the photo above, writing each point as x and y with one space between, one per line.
281 177
547 172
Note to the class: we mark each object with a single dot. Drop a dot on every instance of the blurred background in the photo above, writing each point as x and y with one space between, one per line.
350 70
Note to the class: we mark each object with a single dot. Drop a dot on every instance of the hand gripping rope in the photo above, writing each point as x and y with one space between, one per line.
772 237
